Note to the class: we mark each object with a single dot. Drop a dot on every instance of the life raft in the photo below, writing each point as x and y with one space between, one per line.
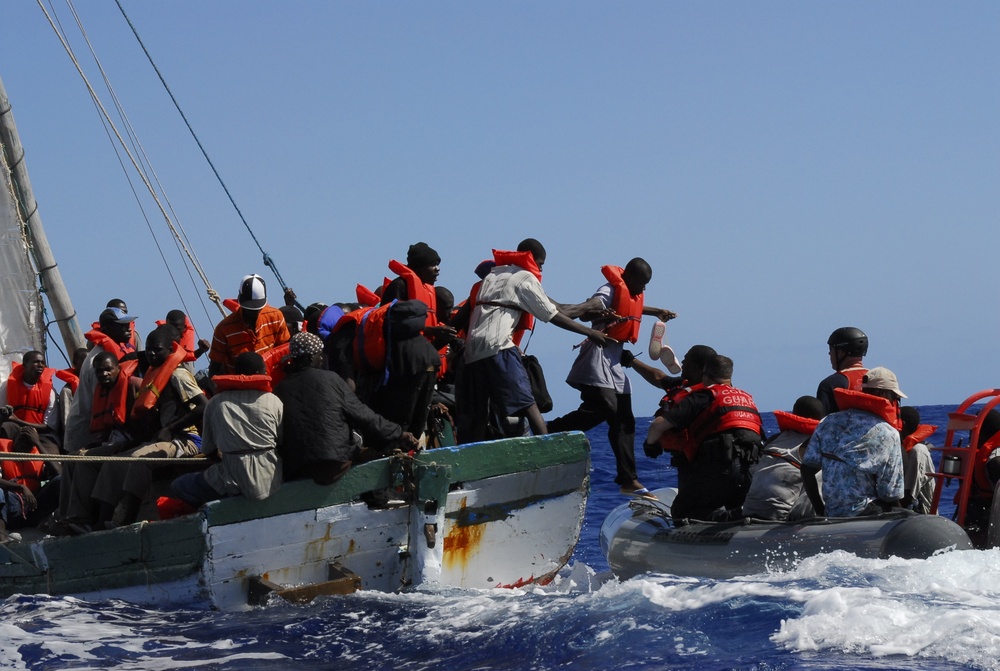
640 537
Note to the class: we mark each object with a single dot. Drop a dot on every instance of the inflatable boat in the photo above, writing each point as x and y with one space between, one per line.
640 537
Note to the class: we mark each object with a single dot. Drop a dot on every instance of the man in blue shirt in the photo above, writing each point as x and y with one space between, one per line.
858 449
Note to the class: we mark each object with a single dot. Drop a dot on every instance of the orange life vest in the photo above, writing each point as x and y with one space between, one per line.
187 338
369 345
791 422
679 440
69 376
272 360
110 406
417 290
366 296
982 486
919 435
855 376
876 405
27 473
731 408
29 402
101 339
238 382
625 305
156 380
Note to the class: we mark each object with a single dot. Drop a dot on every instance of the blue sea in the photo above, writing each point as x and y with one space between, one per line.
833 611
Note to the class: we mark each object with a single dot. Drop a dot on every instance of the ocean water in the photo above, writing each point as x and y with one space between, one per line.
833 611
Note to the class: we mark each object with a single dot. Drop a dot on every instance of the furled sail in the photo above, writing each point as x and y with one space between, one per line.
21 327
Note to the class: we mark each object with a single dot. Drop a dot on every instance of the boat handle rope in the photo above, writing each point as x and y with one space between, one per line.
10 456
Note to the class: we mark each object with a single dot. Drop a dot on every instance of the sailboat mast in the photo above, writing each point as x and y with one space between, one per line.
51 278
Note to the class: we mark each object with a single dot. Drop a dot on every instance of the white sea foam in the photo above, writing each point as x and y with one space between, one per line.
945 607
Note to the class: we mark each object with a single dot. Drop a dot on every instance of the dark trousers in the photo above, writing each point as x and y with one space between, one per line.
601 404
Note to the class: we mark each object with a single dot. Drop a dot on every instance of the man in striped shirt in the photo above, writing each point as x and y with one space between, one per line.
254 327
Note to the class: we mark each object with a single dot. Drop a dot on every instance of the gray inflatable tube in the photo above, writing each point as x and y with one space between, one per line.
639 537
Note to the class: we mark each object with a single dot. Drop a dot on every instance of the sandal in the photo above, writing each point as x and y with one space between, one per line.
656 340
641 493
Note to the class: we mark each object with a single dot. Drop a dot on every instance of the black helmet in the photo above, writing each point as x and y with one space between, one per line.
849 340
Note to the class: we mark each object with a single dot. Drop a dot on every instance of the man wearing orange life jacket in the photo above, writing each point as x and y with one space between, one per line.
254 327
918 466
725 436
492 370
29 407
20 481
113 398
616 309
383 355
776 481
113 335
164 417
859 451
242 429
415 281
848 345
189 341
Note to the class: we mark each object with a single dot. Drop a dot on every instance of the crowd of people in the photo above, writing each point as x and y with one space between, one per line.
293 394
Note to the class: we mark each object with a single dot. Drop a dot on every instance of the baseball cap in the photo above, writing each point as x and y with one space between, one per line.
115 316
882 378
253 292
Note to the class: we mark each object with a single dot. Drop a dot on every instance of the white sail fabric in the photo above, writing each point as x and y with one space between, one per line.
21 327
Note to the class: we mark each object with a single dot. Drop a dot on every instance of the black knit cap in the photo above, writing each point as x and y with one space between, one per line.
421 255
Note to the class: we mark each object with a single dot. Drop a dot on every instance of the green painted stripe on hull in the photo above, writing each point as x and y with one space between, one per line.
144 554
467 462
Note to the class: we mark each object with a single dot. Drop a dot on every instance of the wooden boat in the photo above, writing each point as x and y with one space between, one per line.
495 514
640 537
498 514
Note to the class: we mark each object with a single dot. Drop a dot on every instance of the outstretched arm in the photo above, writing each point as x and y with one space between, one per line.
659 313
589 310
596 337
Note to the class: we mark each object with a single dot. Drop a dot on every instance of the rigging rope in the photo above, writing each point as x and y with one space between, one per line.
110 123
147 165
268 261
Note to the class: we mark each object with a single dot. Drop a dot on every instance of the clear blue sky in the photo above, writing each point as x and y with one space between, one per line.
786 167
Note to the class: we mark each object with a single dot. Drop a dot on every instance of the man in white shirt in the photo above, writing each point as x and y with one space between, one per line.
492 369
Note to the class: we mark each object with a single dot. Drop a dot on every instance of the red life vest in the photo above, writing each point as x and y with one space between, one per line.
731 408
790 422
110 406
855 376
366 296
156 380
920 434
29 403
27 473
679 440
101 339
69 376
625 305
272 360
369 345
239 382
187 338
417 290
876 405
981 485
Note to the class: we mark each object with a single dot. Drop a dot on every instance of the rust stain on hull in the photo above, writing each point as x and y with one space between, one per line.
462 542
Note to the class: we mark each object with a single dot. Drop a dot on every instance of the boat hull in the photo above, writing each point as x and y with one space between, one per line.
639 538
501 513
